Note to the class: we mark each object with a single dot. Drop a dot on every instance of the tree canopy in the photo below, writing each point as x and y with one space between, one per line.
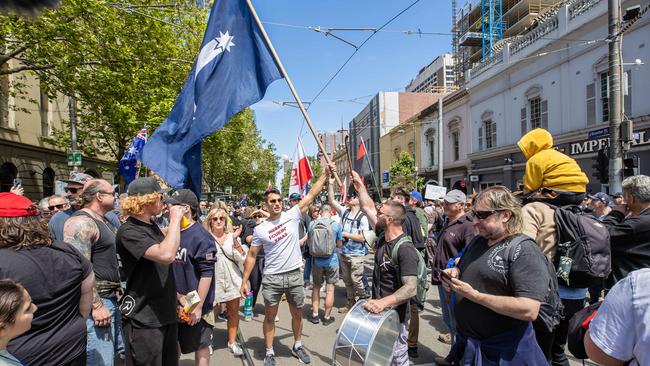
402 172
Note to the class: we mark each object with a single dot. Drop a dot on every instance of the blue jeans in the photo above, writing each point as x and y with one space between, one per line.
447 312
104 342
307 275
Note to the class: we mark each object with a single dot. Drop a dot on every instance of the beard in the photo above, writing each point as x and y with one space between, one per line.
381 224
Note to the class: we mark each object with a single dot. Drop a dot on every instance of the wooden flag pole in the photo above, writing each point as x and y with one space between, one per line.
293 90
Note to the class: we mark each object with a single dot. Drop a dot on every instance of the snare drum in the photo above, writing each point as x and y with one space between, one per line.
366 339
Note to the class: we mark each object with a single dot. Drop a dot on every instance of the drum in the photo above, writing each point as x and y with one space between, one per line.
366 339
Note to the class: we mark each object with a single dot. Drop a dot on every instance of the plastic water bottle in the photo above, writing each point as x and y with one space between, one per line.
248 306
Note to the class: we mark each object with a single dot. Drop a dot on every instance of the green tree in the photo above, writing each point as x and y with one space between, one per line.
238 156
124 63
402 172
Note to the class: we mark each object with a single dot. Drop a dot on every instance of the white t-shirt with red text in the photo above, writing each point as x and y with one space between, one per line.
279 238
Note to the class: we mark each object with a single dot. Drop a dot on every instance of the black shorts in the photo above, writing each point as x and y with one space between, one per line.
192 338
151 346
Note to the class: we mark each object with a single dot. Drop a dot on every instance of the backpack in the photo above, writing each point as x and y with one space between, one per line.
583 256
322 242
422 277
551 311
356 221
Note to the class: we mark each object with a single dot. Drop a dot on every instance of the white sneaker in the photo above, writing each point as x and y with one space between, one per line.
277 318
235 349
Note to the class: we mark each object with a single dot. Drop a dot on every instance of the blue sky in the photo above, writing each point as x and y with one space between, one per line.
387 62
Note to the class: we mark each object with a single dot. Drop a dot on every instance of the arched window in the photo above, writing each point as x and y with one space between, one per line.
8 173
48 182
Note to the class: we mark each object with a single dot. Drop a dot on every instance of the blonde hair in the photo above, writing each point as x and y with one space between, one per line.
134 205
214 213
499 198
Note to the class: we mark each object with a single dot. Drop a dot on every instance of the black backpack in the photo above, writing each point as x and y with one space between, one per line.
583 256
551 310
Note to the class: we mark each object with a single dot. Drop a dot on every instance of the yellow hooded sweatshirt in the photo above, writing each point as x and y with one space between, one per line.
547 167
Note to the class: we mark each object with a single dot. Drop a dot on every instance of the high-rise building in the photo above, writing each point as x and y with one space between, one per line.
332 140
436 77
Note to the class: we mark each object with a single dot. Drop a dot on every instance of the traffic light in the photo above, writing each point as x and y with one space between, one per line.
630 166
602 166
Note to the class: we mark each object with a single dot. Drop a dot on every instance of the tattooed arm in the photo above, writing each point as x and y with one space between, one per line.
82 233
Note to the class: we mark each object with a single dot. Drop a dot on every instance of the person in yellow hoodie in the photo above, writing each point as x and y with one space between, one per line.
550 172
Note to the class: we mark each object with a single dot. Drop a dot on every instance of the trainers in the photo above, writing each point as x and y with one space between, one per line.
223 316
328 321
314 319
445 338
236 349
413 352
269 360
301 354
277 318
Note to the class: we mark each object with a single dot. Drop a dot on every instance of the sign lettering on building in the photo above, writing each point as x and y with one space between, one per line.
590 146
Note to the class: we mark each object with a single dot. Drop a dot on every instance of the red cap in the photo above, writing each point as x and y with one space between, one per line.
13 205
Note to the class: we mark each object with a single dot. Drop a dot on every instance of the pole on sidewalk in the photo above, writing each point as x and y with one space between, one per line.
72 109
440 147
293 90
615 96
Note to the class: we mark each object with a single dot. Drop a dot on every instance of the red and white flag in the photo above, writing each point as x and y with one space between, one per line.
300 171
362 150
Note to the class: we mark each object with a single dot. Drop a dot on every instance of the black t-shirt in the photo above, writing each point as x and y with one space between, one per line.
149 300
384 276
52 275
483 267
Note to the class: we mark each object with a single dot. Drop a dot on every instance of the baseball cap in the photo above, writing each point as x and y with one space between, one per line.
13 205
183 197
78 178
617 195
417 196
455 196
294 196
601 196
143 186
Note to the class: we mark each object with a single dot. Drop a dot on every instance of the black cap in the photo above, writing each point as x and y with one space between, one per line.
143 186
183 197
295 197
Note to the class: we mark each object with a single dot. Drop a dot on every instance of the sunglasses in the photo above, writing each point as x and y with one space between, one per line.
256 217
71 190
277 200
58 207
219 219
482 215
114 194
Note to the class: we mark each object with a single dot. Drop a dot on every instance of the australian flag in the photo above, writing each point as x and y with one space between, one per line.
232 71
130 158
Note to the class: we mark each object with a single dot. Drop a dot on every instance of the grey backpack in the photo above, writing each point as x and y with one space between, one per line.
322 243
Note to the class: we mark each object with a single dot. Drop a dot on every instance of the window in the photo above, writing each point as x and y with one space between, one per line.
490 134
535 113
591 104
627 92
412 148
604 96
524 121
432 147
487 185
48 182
396 152
544 114
455 141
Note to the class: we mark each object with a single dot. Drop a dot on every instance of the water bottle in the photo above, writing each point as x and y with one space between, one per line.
248 306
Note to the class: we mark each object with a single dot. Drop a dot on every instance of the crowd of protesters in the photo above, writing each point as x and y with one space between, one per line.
91 277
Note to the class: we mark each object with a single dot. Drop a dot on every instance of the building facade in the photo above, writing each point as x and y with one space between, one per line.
26 153
436 77
384 111
333 140
544 79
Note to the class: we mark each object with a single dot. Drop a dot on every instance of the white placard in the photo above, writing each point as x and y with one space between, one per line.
433 192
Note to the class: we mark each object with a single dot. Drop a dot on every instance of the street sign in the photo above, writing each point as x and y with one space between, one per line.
434 192
598 133
385 179
228 189
473 178
73 157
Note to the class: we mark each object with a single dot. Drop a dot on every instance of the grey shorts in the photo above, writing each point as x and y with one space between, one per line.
289 283
329 275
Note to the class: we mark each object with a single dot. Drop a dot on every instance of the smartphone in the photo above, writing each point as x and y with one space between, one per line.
445 275
17 182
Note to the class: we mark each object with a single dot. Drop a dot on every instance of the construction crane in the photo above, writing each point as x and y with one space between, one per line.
491 24
454 41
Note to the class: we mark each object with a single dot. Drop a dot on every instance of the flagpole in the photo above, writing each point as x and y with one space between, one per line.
372 173
293 90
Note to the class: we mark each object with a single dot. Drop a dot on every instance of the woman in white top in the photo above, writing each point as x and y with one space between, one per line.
16 314
228 270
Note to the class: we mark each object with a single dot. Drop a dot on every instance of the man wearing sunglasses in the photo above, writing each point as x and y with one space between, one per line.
75 184
56 203
93 235
499 285
279 236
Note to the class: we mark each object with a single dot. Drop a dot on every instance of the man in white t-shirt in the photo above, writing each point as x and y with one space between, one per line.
279 237
620 331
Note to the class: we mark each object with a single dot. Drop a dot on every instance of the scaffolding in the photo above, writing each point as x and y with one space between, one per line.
491 25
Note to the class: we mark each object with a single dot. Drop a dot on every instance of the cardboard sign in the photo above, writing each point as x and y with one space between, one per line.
434 192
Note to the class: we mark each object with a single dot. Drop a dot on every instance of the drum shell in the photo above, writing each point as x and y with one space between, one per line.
366 339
